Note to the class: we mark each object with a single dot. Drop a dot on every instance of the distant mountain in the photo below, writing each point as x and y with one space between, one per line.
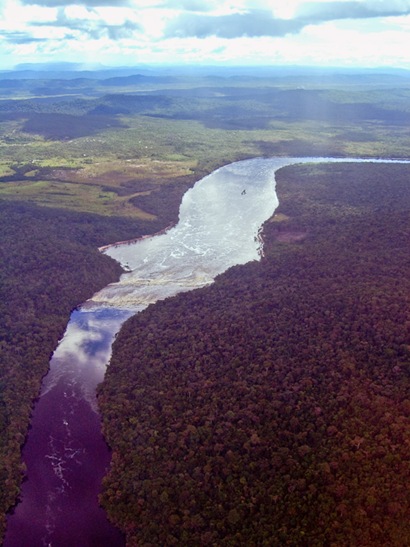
137 79
166 73
53 72
58 66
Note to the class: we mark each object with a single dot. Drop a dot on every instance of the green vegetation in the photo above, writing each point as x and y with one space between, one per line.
119 139
88 161
77 197
273 406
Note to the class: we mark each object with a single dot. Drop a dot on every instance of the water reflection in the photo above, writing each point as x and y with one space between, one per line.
65 455
83 353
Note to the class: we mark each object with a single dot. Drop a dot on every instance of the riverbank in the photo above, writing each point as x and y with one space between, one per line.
134 240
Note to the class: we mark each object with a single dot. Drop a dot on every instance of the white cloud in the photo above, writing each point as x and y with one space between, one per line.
79 12
154 22
286 10
116 16
236 31
400 23
16 17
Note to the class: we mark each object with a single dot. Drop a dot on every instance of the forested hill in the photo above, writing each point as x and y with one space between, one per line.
272 408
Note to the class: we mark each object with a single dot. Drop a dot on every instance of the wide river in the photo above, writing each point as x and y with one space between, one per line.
66 457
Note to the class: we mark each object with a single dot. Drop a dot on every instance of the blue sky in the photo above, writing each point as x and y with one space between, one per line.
367 33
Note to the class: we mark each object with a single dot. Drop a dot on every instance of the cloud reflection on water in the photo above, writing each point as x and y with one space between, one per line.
84 352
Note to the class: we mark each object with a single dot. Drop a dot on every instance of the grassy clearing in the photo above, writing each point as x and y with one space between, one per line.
5 169
118 173
76 197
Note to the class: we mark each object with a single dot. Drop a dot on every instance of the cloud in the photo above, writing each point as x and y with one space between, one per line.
316 12
252 24
188 5
117 32
256 23
195 18
92 25
180 5
87 3
20 38
199 31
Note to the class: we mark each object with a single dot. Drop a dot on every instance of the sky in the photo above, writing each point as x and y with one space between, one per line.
345 33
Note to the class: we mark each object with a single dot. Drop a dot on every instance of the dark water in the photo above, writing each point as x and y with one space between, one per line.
65 453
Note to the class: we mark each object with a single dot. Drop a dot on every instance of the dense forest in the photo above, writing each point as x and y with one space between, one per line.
272 408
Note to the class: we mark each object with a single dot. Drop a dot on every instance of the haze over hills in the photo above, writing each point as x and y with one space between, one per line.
75 70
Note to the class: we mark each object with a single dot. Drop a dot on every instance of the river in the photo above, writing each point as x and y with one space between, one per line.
66 457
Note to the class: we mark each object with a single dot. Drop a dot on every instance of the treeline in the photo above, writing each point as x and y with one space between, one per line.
49 264
272 408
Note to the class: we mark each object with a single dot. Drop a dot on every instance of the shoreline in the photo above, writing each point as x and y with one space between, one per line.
136 239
